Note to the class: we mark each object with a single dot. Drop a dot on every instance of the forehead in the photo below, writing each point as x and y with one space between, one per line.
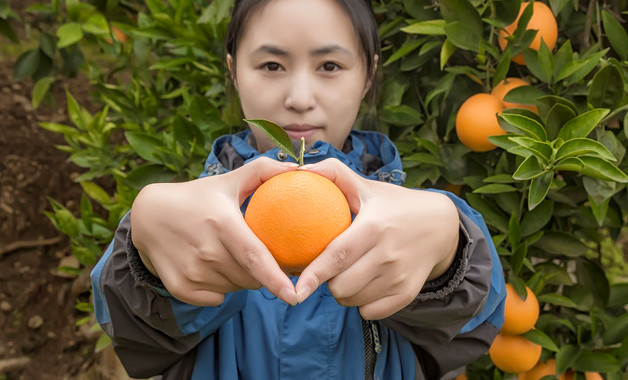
295 24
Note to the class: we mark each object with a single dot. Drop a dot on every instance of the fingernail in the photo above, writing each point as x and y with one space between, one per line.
304 293
290 165
308 166
288 296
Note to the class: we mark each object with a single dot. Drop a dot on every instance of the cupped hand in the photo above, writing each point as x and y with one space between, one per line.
192 235
399 238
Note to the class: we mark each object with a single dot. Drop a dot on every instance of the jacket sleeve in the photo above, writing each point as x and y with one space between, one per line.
455 318
151 331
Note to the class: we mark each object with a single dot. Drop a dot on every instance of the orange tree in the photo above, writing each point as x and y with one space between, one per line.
552 190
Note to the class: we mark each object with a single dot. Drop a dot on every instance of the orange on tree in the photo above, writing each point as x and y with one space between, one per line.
542 20
519 315
541 369
462 376
296 215
118 34
503 87
477 120
514 353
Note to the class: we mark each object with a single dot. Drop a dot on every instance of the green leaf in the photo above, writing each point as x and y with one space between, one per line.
26 64
582 125
7 31
216 12
502 67
546 62
572 164
557 116
539 187
69 34
96 192
581 146
507 10
429 27
597 362
529 169
607 88
96 24
618 295
144 145
495 188
524 95
41 89
60 128
147 174
542 150
103 342
187 133
558 300
592 277
534 220
446 52
276 134
463 36
424 158
561 243
566 357
464 25
407 47
539 337
599 168
525 125
616 34
616 330
401 115
492 215
589 64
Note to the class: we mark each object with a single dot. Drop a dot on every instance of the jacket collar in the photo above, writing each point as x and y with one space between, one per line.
368 153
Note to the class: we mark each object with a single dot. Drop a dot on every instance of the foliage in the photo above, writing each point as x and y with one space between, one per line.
553 194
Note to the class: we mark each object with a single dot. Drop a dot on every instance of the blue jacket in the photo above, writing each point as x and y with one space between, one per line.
253 335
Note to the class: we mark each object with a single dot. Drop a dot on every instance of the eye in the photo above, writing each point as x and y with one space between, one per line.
330 66
271 66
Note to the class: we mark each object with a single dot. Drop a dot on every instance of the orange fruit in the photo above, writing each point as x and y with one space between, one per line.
514 353
519 316
477 120
118 34
296 215
540 369
505 86
542 20
462 376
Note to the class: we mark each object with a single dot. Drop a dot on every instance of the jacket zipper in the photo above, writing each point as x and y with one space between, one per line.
372 347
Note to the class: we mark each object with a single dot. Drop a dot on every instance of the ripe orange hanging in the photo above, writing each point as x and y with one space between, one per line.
477 120
505 86
296 215
514 353
542 20
540 370
520 316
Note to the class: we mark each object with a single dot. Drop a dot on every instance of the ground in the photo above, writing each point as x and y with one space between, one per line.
39 338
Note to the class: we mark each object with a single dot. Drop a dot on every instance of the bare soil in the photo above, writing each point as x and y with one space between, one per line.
39 338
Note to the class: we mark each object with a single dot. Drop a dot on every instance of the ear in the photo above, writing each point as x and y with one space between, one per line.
369 81
232 70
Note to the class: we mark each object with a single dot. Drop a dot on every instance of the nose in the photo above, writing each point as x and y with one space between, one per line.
300 95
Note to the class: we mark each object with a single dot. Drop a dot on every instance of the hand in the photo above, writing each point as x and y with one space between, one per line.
399 238
193 236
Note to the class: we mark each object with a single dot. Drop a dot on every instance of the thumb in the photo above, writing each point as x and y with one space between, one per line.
252 175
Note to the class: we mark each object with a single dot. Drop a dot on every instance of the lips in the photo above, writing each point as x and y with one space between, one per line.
296 131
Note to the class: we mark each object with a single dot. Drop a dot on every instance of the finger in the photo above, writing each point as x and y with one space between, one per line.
256 172
340 254
346 179
385 306
202 297
253 256
355 278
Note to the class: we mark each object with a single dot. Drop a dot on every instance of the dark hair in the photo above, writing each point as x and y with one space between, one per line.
359 11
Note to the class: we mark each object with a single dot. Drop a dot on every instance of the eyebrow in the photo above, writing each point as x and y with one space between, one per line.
274 50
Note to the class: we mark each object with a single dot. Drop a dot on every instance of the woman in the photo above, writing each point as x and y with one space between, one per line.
412 289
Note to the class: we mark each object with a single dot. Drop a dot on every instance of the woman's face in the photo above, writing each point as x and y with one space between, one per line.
298 63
